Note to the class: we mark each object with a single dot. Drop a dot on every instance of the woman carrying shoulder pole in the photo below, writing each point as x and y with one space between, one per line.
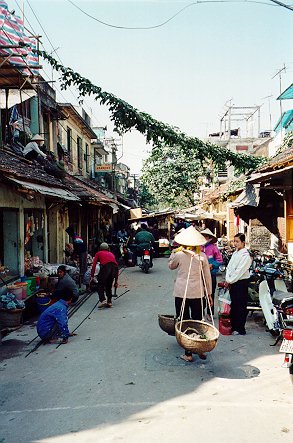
237 278
191 278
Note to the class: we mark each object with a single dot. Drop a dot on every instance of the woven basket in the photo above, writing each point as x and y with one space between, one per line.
197 346
10 318
167 323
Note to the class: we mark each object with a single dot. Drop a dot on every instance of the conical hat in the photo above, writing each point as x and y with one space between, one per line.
190 237
208 232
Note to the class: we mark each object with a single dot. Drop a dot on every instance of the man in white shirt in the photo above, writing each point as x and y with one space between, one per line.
32 150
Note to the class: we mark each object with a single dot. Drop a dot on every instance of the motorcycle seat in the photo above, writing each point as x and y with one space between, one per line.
279 296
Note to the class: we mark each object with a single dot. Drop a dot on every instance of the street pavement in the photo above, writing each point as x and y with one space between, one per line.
121 379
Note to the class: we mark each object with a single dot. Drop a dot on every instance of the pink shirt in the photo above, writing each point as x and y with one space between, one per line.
103 257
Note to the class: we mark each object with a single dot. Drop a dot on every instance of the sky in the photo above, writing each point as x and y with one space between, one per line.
182 73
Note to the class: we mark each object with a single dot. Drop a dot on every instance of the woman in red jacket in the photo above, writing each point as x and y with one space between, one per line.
108 273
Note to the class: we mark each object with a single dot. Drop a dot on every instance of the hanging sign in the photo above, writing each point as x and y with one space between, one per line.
104 168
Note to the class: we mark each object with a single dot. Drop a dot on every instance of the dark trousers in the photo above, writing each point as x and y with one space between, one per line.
192 310
239 297
107 274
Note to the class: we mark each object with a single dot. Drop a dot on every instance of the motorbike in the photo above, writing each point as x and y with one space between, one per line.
275 300
287 349
145 261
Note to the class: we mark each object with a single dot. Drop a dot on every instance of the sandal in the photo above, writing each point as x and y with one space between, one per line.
187 358
202 356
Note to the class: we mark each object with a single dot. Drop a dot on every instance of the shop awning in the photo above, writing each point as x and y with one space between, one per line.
248 197
287 94
45 190
124 206
263 176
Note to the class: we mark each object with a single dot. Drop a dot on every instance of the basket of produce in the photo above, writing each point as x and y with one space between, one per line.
167 323
196 336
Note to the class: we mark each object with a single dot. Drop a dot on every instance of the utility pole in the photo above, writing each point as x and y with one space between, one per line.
279 73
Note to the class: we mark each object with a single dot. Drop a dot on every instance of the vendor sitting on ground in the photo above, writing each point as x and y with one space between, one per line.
32 150
65 282
52 325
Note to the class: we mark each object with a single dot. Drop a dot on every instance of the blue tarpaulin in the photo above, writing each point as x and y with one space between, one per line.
287 94
287 121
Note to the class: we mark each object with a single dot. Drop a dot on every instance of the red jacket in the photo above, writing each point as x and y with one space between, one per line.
103 257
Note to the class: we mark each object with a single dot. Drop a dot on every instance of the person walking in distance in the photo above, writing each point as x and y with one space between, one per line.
80 249
237 278
107 275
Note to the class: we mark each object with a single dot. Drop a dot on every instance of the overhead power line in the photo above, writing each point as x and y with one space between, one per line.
269 3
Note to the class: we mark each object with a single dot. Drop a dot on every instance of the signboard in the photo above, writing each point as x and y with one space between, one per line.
104 168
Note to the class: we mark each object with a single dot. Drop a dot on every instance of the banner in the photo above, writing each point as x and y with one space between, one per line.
12 33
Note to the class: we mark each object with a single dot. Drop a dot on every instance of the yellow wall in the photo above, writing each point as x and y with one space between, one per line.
76 132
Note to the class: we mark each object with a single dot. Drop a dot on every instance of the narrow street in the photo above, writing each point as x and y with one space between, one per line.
121 379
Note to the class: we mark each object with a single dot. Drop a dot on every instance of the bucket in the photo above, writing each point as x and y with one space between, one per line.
43 302
16 290
225 325
28 288
33 284
22 285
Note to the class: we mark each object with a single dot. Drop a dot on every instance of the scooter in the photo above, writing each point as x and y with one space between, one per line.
276 302
145 262
287 348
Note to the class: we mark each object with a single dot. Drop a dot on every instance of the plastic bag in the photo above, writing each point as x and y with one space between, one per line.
224 302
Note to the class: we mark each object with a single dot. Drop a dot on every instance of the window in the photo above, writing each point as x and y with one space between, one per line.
79 152
69 142
87 158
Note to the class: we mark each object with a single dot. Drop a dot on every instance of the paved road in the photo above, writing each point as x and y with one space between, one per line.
121 379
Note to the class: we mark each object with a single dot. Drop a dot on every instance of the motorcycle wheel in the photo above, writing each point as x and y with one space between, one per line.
291 373
274 332
145 267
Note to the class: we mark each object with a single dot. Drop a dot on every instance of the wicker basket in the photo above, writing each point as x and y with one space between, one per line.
10 318
167 323
197 346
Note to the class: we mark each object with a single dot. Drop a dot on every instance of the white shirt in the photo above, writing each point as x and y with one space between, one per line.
238 266
33 146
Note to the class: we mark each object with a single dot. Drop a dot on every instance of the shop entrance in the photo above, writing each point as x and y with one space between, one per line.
9 240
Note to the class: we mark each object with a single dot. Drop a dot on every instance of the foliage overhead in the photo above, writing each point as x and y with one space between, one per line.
146 198
125 117
173 176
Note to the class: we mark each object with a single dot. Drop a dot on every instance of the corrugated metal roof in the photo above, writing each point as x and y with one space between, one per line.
279 161
45 190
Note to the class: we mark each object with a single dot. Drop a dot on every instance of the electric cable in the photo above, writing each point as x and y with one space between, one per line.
174 15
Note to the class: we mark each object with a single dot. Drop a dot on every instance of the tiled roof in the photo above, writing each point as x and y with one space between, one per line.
280 161
85 190
13 165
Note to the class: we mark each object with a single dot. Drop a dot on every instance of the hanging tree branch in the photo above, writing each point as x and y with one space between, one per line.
126 117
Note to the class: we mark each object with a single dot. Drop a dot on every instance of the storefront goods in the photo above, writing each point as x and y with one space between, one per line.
9 301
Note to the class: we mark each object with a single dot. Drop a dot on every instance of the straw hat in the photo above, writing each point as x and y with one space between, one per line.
190 237
208 232
37 138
